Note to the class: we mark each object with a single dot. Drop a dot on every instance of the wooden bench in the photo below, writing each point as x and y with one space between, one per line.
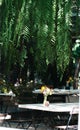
4 116
72 127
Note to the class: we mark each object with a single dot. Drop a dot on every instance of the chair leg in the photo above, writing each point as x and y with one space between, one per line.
68 122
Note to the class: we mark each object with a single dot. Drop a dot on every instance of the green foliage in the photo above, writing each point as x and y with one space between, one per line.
12 30
63 34
39 29
53 40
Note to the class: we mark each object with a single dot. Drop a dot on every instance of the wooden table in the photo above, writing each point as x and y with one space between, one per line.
53 110
53 107
5 98
59 91
61 94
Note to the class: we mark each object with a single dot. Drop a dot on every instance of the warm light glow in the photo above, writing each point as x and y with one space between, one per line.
0 2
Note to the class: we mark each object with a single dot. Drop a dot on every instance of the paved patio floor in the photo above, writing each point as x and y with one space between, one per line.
40 127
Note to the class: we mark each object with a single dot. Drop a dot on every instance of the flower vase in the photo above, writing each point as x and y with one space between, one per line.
45 99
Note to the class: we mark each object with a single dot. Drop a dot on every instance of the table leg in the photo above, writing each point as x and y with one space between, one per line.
1 106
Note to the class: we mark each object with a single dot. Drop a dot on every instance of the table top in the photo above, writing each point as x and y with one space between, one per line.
7 94
59 91
53 107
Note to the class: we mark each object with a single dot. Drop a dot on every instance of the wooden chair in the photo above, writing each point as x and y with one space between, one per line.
69 125
21 119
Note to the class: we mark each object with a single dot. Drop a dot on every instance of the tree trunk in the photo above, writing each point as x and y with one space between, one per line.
76 75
